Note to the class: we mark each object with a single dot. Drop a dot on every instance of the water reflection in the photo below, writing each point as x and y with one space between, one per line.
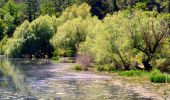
36 79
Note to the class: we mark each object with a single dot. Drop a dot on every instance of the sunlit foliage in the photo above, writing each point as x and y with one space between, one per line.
120 39
69 36
148 34
12 15
32 38
76 11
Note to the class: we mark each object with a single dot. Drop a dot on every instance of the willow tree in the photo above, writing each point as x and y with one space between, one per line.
71 32
119 44
148 33
32 38
69 36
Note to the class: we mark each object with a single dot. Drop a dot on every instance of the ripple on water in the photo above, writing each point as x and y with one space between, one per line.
43 82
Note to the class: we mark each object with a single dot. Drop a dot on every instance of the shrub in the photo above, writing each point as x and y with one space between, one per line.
77 67
56 58
158 77
105 68
84 59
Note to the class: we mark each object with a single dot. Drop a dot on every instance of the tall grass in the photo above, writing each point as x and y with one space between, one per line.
105 68
140 73
158 77
77 67
155 76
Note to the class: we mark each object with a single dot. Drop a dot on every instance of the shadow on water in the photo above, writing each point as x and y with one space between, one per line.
33 79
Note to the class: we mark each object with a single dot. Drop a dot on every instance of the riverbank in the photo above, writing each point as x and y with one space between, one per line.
156 91
138 84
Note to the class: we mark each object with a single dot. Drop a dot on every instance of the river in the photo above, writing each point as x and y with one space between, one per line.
23 79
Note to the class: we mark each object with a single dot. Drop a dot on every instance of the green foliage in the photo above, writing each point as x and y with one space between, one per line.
140 5
158 77
55 58
61 5
76 11
32 38
104 40
2 43
155 76
95 42
11 15
140 73
105 68
69 36
14 44
72 32
148 34
120 38
47 7
77 67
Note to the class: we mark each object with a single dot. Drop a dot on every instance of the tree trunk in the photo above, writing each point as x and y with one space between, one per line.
147 66
126 66
115 7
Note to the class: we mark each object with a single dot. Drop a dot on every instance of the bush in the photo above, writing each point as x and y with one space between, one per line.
158 77
105 68
77 67
84 59
56 58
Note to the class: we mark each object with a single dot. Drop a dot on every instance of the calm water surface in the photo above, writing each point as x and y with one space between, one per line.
42 80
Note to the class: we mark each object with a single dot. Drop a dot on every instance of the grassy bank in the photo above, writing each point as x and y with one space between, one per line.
155 76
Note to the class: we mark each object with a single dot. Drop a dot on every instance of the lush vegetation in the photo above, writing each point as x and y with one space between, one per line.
124 34
77 67
154 76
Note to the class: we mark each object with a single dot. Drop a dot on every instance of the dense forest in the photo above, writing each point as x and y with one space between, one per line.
121 33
